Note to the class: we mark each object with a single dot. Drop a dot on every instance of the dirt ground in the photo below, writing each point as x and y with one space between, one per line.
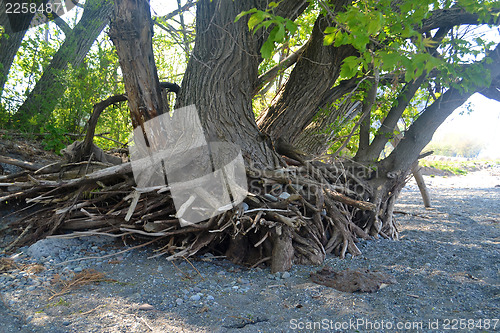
447 267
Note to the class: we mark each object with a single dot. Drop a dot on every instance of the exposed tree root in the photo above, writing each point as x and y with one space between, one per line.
291 215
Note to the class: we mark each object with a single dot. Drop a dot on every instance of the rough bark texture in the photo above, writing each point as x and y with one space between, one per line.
222 74
10 41
131 31
42 100
309 86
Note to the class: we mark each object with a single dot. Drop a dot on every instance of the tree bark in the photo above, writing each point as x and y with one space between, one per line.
131 32
222 74
309 86
364 129
10 41
44 97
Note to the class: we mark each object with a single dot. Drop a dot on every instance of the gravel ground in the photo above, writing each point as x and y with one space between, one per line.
447 265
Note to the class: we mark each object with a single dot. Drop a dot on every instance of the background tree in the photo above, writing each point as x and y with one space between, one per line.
49 89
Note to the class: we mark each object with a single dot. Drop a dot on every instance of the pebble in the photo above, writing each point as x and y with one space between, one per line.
270 197
146 307
284 195
224 282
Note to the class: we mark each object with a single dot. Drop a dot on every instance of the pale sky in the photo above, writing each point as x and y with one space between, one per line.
482 124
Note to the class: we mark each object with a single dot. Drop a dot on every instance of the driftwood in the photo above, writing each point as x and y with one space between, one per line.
22 164
318 214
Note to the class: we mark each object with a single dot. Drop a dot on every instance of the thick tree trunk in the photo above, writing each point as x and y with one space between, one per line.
222 74
44 97
132 18
309 86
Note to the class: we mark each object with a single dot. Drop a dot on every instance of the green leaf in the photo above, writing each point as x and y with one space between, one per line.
330 30
350 67
280 34
255 19
240 15
267 49
329 39
291 26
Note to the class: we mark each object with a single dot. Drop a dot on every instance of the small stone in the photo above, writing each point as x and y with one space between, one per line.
31 288
66 323
78 269
160 268
146 307
245 206
270 197
179 301
284 195
195 297
285 275
210 298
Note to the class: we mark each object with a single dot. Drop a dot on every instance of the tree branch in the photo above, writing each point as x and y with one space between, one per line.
450 17
188 5
61 24
273 72
364 130
420 132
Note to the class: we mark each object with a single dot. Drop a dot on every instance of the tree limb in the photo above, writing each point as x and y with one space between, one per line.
273 72
452 17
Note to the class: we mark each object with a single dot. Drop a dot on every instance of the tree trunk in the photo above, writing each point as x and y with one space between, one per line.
222 74
415 170
44 97
309 86
10 41
133 18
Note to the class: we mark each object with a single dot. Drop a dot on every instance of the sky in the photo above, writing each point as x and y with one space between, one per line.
482 124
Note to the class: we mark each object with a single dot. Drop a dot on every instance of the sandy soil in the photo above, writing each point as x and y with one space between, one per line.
447 265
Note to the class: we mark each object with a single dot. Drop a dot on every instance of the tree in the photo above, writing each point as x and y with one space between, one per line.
222 74
356 52
43 98
10 39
